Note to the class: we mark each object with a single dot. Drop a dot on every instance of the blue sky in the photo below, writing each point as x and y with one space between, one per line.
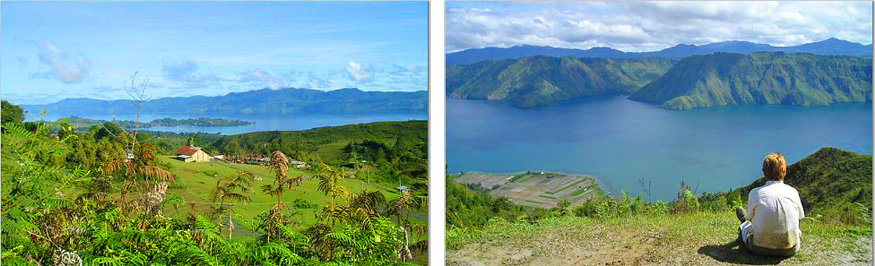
52 51
639 26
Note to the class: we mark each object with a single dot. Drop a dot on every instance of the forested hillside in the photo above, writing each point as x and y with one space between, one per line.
830 181
540 80
761 78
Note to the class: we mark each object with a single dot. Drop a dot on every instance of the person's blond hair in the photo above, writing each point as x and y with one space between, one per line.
775 166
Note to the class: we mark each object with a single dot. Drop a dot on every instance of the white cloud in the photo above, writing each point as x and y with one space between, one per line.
360 73
187 72
62 66
649 26
264 78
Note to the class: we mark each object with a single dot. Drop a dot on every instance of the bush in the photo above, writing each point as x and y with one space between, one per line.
303 204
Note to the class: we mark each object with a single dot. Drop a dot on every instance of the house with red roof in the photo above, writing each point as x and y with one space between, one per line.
192 154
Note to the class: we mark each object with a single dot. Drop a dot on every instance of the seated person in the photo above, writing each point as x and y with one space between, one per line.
770 226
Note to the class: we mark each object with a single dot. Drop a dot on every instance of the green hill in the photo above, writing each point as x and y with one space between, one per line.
827 179
761 78
326 142
540 80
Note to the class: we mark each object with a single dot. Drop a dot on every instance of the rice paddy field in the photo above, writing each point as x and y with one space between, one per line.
535 189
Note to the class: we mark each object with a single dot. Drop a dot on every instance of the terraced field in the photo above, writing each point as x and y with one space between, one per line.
535 189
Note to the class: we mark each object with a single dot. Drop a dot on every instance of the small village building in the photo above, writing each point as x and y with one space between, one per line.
220 157
192 154
298 164
404 190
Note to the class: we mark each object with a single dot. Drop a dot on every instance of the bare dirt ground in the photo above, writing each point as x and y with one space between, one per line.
535 189
699 239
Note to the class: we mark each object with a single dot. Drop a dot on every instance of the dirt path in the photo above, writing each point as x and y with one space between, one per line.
690 240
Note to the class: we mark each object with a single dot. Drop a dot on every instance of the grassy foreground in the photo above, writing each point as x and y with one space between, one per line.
196 181
703 238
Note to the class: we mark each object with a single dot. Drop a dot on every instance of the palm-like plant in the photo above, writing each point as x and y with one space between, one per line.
400 208
141 177
329 183
279 164
231 189
364 207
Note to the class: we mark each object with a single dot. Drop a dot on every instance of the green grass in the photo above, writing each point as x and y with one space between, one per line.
703 238
196 187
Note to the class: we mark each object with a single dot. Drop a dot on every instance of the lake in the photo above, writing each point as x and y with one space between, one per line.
262 123
620 141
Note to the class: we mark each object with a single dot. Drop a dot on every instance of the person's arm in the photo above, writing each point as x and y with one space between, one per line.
798 204
752 199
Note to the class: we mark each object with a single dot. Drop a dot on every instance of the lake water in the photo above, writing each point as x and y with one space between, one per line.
621 141
262 123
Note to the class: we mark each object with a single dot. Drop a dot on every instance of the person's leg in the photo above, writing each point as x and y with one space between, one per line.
740 213
744 232
770 251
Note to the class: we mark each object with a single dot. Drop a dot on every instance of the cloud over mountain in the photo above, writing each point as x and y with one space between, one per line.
360 73
62 66
187 72
649 26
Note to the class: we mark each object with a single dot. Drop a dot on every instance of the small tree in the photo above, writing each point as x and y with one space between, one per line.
228 190
273 223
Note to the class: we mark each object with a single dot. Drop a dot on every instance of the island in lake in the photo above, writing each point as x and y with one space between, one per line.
80 122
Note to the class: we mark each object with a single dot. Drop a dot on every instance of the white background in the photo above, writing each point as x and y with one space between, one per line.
436 135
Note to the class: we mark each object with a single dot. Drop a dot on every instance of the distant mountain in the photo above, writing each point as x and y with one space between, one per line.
85 123
256 102
831 46
761 78
540 80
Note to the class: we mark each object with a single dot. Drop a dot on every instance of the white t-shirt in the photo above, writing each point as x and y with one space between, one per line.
774 210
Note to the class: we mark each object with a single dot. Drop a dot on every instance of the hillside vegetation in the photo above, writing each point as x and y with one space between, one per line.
327 143
540 80
761 78
107 196
835 187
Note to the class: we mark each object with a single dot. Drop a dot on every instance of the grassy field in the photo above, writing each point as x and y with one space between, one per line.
683 239
196 181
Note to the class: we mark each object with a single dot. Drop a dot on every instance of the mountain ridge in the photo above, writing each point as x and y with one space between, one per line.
760 78
254 102
831 46
539 80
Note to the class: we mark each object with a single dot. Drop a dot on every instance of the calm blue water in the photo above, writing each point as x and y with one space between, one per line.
262 123
621 141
